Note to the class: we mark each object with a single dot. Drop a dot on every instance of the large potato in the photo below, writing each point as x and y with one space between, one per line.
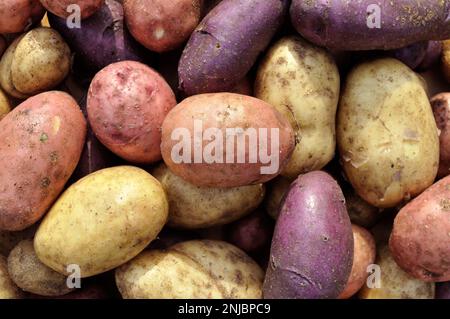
200 207
31 275
420 239
17 15
118 211
394 282
387 136
61 7
5 105
42 142
302 82
8 289
226 140
191 270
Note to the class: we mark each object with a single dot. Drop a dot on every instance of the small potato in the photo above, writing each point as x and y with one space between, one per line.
192 207
118 211
364 256
162 25
394 282
361 213
61 7
191 270
126 105
5 105
446 59
275 193
441 110
9 239
31 275
17 15
302 82
8 290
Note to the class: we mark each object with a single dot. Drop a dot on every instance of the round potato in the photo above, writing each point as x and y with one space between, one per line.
31 275
162 25
66 8
364 256
126 105
389 281
118 211
441 110
275 192
17 15
8 290
200 207
387 135
226 140
191 270
5 105
302 82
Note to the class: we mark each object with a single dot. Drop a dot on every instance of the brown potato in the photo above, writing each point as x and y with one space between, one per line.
8 290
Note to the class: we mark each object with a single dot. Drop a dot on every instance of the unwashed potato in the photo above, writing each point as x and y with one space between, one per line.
364 256
17 15
276 190
5 105
9 239
191 270
118 211
8 290
200 207
387 135
441 110
61 7
302 82
446 59
31 275
394 282
162 25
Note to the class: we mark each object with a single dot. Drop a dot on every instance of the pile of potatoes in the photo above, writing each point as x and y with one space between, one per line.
105 104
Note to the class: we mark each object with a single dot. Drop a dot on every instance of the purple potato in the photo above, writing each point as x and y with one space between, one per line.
432 56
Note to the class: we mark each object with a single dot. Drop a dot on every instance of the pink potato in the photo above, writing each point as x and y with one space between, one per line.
17 15
441 110
61 7
127 103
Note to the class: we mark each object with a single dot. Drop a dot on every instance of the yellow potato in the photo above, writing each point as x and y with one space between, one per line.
5 70
5 105
395 283
302 81
191 270
194 207
8 290
387 135
102 221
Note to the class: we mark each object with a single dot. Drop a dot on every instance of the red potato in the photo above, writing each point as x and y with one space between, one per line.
41 145
363 255
127 103
17 15
162 25
61 7
441 110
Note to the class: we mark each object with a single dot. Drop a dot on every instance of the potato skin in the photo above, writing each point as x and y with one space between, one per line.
5 105
364 255
395 283
127 103
8 290
222 111
125 201
312 247
302 82
162 25
44 137
441 110
387 136
420 238
31 275
5 70
192 207
209 62
15 15
191 270
87 7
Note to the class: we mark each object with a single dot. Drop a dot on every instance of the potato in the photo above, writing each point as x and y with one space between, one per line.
312 246
387 136
43 140
28 273
446 59
222 140
192 207
364 256
61 7
360 212
8 290
302 82
124 201
394 282
9 239
191 270
6 81
5 105
126 105
275 193
18 15
420 240
162 25
441 110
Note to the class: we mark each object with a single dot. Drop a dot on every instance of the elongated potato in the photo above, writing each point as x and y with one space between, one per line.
8 289
124 201
191 270
43 140
387 135
302 82
200 207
